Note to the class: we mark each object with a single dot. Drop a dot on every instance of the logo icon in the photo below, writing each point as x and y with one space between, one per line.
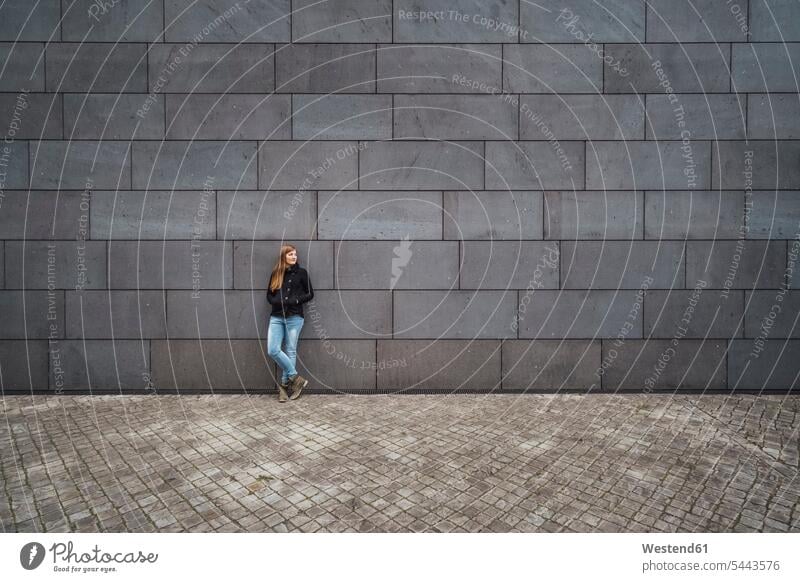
31 555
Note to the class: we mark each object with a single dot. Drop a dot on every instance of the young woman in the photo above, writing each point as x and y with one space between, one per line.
289 287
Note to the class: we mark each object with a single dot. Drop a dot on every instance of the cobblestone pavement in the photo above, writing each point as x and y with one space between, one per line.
552 463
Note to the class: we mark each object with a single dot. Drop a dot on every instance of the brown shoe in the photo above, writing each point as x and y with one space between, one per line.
297 383
282 392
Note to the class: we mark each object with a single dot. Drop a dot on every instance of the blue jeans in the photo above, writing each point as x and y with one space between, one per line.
280 328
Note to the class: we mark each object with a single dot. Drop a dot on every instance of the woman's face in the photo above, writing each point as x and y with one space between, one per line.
291 257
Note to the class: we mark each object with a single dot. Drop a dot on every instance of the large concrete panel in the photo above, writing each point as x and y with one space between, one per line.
492 215
697 313
697 116
228 117
773 365
457 68
36 115
153 214
582 20
278 215
593 215
528 165
774 20
774 215
580 314
42 214
211 68
56 264
622 264
342 21
509 265
453 117
773 116
23 67
308 165
550 365
32 314
112 21
23 20
195 265
227 20
217 314
211 365
404 264
672 165
696 21
756 164
342 116
546 68
684 68
325 68
120 116
648 365
339 364
442 365
80 165
694 214
394 165
114 315
742 264
348 315
380 215
189 165
97 67
24 365
454 314
100 365
580 117
772 314
765 67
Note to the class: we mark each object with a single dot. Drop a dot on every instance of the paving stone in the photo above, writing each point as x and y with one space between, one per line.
765 67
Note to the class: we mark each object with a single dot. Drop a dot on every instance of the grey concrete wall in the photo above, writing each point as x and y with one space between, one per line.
488 195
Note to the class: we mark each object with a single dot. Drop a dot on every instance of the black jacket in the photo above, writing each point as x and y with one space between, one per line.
288 300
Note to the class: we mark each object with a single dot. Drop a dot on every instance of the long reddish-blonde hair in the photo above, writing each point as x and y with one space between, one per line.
276 279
